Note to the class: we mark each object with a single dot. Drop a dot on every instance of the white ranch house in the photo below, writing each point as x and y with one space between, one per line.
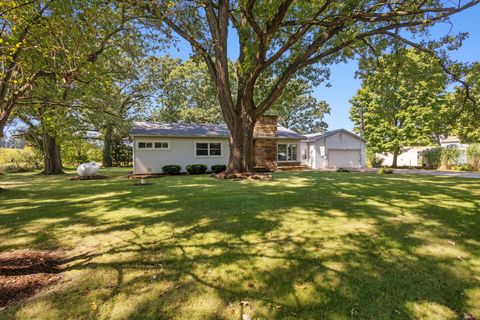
158 144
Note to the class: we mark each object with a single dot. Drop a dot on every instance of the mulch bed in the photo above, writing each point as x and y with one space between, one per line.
153 175
95 177
244 176
24 272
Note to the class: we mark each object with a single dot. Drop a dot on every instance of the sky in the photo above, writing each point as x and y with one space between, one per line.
342 78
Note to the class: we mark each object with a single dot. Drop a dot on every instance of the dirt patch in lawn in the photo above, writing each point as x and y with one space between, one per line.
22 273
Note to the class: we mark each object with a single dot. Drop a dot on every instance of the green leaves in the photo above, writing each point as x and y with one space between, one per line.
401 102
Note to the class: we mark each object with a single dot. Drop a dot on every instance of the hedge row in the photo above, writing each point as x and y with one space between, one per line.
174 169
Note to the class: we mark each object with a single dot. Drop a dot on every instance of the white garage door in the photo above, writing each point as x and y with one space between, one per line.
344 158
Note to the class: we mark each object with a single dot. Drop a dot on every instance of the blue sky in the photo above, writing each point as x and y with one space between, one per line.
344 84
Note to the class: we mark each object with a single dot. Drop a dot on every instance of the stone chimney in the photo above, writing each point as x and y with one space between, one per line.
265 143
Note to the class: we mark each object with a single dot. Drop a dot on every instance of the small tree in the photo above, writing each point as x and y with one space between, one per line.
400 101
473 156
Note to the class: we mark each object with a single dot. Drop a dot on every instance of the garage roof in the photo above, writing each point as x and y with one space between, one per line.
317 136
196 130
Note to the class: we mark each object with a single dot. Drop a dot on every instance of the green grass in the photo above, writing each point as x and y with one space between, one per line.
304 246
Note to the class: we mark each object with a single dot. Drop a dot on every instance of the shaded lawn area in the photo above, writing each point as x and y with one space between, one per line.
305 246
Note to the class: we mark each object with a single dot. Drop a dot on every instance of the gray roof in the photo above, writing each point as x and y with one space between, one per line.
195 130
317 136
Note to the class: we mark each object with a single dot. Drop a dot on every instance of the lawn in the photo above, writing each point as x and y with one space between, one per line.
305 246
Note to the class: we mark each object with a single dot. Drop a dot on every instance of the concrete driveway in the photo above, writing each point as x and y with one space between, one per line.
470 174
439 173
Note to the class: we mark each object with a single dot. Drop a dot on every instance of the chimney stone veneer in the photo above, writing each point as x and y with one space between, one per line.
265 143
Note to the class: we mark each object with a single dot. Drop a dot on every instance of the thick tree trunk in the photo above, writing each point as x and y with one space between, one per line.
395 157
107 148
241 144
51 154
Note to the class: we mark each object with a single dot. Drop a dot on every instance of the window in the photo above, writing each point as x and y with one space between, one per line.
156 145
145 145
202 149
208 149
282 152
162 145
215 149
287 152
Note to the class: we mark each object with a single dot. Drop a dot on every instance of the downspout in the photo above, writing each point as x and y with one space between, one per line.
133 154
325 158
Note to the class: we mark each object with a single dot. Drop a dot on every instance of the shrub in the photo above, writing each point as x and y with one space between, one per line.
462 167
19 160
342 170
431 158
373 160
473 156
78 151
196 168
384 171
217 168
172 169
449 156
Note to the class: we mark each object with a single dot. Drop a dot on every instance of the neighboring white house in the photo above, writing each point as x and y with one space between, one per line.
333 149
158 144
412 156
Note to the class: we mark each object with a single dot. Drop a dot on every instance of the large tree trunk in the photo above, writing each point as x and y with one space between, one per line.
51 155
107 148
241 144
395 157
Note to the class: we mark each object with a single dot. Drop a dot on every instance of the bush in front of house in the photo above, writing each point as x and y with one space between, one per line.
449 157
172 169
196 168
217 168
343 170
473 156
384 171
373 160
432 158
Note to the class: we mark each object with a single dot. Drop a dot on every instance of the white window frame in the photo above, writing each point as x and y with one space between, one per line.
289 144
153 145
208 148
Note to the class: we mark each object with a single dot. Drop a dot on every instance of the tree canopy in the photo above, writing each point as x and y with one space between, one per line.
284 40
402 101
66 63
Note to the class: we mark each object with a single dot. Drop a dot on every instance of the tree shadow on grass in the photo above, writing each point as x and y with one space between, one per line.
306 246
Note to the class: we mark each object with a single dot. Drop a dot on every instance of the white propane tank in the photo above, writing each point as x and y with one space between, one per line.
88 169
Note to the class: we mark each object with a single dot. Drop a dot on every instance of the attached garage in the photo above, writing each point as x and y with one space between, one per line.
344 158
333 149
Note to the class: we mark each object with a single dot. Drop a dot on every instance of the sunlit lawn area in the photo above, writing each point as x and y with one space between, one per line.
305 246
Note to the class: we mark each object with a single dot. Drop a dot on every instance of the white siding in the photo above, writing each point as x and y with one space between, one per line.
407 158
181 152
304 152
